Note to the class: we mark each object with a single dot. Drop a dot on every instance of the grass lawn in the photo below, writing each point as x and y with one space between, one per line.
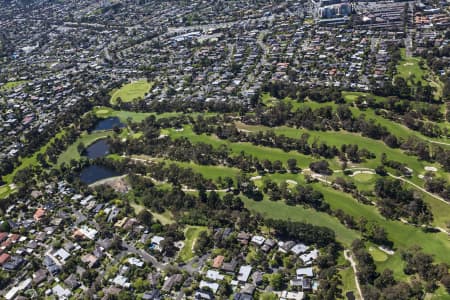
5 190
348 281
260 152
409 69
402 235
30 160
106 112
191 234
87 139
131 91
11 85
377 254
339 138
164 218
279 210
209 172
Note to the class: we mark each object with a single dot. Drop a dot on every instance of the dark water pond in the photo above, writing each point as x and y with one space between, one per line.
109 123
95 173
98 149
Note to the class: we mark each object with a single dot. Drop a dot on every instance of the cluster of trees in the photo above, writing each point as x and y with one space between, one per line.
395 201
382 285
370 230
421 264
305 232
437 185
281 90
299 195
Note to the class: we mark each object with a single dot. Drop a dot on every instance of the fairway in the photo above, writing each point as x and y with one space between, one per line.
279 210
191 234
131 91
409 69
165 218
87 139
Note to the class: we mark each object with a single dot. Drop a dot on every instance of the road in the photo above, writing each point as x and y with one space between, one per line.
144 255
349 257
419 188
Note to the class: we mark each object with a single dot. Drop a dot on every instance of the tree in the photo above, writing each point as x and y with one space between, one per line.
81 148
292 165
277 281
145 217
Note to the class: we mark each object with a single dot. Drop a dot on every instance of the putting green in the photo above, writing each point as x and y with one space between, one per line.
363 177
377 254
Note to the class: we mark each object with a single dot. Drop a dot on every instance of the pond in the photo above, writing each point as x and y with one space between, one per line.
109 123
95 173
97 149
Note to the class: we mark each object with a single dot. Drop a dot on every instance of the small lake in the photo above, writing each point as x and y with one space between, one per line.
109 123
98 149
95 173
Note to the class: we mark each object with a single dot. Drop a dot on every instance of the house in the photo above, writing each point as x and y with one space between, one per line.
211 285
121 281
285 295
13 263
206 295
4 258
156 242
39 276
39 214
214 275
3 236
308 258
90 259
257 278
244 273
218 261
268 245
51 266
229 267
248 289
171 281
135 262
258 240
304 272
286 246
242 296
153 295
72 282
243 237
61 292
62 255
299 248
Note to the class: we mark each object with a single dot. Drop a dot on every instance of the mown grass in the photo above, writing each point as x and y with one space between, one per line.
87 139
279 210
131 91
165 218
209 172
30 160
401 234
339 138
11 85
5 191
191 235
409 69
259 152
348 281
106 112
